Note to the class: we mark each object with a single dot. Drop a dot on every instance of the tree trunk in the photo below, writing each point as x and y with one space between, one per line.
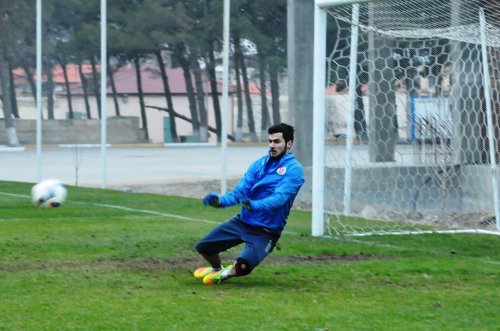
187 119
113 87
71 114
237 73
29 77
6 101
168 96
180 52
248 99
85 90
50 91
95 84
275 93
13 96
264 124
200 96
141 97
359 115
214 92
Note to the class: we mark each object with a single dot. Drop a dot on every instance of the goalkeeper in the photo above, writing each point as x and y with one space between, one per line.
266 194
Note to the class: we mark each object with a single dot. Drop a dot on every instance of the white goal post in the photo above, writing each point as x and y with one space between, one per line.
406 116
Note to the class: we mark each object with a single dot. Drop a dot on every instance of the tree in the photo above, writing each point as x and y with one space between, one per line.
200 97
60 27
64 67
246 84
111 78
13 98
132 20
242 29
214 90
205 37
168 95
6 100
239 97
137 30
83 79
49 88
170 19
144 118
21 53
96 85
7 41
141 29
55 34
86 37
181 53
275 87
263 93
269 32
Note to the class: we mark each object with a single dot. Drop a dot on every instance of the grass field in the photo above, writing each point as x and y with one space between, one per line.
109 260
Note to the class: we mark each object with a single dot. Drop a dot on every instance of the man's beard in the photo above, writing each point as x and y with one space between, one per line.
278 156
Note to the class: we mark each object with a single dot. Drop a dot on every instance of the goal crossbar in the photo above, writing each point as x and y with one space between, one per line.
329 3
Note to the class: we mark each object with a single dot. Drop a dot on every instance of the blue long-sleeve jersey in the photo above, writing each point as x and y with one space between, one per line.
271 185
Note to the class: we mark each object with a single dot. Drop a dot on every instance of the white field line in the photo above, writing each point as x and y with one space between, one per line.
145 211
156 213
396 233
371 243
15 195
27 219
490 261
150 212
169 215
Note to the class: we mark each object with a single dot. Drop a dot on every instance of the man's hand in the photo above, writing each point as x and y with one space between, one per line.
212 199
246 203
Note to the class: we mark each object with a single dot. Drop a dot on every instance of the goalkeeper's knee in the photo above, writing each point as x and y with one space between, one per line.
242 267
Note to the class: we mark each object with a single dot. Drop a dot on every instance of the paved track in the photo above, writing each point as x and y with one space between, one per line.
127 165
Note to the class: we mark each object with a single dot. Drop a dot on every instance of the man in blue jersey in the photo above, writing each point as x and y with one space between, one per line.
266 194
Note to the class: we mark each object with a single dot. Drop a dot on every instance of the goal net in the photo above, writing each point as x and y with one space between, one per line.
407 137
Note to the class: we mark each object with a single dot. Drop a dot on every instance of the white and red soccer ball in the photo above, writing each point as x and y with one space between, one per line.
49 193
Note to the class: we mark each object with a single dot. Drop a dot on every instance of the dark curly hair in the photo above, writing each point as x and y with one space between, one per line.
285 129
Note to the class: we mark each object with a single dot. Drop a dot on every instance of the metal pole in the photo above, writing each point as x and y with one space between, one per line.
318 171
225 94
38 90
104 115
352 106
489 115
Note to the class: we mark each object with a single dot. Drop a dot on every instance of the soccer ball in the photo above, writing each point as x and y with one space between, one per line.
49 193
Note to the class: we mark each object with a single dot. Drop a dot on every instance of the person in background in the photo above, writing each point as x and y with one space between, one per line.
443 87
424 83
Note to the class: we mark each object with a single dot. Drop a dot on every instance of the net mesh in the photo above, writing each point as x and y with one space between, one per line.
418 158
456 20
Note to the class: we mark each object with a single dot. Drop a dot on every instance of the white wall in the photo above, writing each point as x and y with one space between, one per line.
338 108
129 106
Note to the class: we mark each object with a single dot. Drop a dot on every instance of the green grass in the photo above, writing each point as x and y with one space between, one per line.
90 265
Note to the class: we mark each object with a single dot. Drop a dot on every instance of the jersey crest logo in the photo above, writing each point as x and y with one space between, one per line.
281 171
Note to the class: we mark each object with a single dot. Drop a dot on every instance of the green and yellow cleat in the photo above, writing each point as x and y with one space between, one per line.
200 273
215 277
